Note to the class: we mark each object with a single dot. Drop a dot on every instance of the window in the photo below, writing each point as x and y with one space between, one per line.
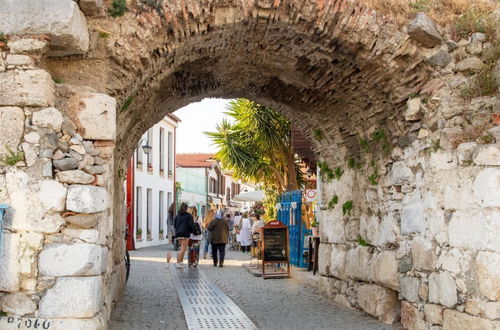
161 215
223 185
170 153
162 150
138 211
213 186
150 143
149 205
138 157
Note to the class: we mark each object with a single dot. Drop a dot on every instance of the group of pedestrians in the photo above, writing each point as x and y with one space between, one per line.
189 229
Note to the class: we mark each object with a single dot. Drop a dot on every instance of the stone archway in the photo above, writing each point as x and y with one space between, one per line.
334 67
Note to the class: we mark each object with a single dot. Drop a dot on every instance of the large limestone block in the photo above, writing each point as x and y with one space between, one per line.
385 269
34 203
411 317
423 254
72 297
86 199
423 30
434 313
26 88
338 262
11 129
48 118
17 304
455 320
400 174
409 288
488 155
9 263
72 260
86 235
52 194
358 263
379 302
413 218
379 232
324 257
488 273
61 20
94 115
75 177
475 230
442 289
487 187
83 220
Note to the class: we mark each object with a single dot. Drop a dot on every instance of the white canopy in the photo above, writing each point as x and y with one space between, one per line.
251 196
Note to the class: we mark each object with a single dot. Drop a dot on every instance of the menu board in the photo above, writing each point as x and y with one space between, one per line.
275 244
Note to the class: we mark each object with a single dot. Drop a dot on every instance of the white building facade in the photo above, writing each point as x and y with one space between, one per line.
153 184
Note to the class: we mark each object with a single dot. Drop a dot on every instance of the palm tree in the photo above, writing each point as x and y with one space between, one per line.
257 146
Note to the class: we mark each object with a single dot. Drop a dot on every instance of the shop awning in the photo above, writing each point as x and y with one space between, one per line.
251 196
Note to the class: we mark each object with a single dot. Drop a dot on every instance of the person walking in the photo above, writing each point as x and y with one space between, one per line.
219 232
195 238
206 234
184 226
245 234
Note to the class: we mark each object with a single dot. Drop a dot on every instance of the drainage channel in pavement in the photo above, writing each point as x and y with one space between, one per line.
205 305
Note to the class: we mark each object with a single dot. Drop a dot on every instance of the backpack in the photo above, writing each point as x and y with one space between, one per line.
197 229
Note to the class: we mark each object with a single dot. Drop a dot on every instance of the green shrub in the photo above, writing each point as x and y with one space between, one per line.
338 173
361 241
318 134
3 37
12 158
347 207
474 20
436 145
364 144
103 34
333 201
353 163
127 103
118 8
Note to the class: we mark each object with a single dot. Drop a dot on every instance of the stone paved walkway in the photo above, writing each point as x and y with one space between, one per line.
150 299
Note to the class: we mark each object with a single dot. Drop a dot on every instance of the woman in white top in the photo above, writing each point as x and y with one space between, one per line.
245 233
195 240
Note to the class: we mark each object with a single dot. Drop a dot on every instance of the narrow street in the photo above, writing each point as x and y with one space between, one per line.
150 300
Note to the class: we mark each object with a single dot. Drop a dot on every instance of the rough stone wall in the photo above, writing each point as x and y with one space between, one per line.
419 242
57 269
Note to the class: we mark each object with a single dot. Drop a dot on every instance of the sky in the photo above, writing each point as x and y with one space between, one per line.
198 118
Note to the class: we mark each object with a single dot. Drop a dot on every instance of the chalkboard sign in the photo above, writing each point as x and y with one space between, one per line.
275 244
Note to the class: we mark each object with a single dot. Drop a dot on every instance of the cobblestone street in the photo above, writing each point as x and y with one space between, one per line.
150 300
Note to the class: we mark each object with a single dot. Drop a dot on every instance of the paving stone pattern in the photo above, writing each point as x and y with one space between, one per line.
150 299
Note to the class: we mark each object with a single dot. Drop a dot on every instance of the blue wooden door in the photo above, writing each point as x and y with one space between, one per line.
289 213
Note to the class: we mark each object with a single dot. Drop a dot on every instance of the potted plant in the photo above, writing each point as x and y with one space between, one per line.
149 234
161 233
315 228
138 233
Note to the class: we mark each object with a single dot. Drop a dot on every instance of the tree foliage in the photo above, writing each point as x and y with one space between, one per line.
257 147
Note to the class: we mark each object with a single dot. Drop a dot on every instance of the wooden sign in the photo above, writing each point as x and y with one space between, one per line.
275 244
275 247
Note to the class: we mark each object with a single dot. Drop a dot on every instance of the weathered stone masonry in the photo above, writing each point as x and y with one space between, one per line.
420 242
